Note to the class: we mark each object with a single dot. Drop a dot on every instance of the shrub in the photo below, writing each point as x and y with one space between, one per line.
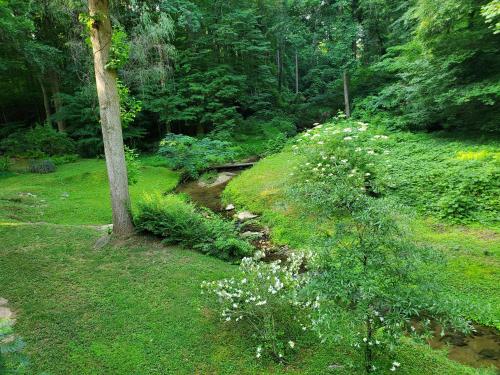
40 141
282 125
192 155
133 165
180 222
275 145
64 159
264 301
4 164
42 166
374 283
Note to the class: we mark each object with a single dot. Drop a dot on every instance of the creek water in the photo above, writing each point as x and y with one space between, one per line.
481 349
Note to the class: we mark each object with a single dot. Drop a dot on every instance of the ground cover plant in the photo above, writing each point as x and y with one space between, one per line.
180 222
394 166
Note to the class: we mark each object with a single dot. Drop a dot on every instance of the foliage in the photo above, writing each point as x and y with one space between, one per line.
5 163
434 176
64 159
391 291
415 170
42 140
180 222
129 106
192 156
264 301
133 165
12 360
436 82
119 51
81 113
491 12
275 145
42 166
374 281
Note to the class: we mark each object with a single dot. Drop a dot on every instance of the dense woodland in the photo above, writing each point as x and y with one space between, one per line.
233 67
297 187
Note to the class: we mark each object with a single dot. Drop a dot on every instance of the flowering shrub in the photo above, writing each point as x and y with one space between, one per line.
343 160
374 283
265 299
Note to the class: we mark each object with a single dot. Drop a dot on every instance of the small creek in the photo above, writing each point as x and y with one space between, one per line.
481 349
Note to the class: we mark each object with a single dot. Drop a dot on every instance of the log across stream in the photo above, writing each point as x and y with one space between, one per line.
481 349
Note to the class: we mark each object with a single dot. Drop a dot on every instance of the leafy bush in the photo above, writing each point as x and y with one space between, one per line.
192 155
180 222
264 301
4 164
64 159
42 166
40 141
133 165
390 281
275 145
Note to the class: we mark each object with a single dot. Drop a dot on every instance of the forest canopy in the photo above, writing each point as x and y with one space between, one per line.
228 67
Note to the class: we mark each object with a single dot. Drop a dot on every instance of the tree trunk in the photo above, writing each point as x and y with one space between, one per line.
61 126
346 94
296 73
278 64
200 130
109 107
46 102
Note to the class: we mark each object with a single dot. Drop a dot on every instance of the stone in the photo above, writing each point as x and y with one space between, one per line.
222 178
102 241
245 215
489 354
230 207
5 313
3 302
252 235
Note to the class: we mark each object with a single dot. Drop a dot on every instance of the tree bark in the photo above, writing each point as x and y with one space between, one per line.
61 126
46 102
296 73
347 101
109 108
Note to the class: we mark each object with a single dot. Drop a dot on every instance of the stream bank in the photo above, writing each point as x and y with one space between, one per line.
479 350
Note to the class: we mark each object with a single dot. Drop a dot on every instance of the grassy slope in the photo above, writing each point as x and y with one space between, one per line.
474 251
130 308
84 183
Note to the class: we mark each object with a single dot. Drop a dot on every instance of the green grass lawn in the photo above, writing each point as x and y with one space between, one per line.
77 194
132 307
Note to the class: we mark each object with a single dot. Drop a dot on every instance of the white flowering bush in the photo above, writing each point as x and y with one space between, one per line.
266 300
343 159
375 285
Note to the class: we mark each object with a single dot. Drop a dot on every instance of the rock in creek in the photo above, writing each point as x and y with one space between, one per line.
245 215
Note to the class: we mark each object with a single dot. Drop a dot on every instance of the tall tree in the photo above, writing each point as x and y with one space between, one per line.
101 35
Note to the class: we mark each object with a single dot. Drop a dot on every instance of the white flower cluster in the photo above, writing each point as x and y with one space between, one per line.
259 291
